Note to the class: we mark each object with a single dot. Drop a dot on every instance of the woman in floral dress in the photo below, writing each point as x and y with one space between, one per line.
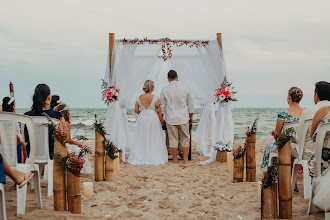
290 115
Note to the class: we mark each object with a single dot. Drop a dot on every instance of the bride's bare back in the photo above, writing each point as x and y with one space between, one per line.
146 99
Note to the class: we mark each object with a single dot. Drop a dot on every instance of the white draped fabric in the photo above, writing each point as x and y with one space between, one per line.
201 70
204 136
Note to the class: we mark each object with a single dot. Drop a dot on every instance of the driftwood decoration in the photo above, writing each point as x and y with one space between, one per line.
74 195
99 157
284 182
251 158
269 203
59 179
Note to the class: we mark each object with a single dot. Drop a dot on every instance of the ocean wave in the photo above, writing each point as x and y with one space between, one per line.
86 122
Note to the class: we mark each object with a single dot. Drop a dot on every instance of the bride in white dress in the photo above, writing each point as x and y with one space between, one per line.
148 144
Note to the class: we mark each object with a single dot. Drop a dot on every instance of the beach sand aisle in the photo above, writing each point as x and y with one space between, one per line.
163 192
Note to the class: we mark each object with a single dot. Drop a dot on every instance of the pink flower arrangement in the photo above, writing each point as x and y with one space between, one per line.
109 94
225 93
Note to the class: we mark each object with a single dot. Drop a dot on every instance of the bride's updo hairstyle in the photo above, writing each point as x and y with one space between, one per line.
296 94
148 86
41 93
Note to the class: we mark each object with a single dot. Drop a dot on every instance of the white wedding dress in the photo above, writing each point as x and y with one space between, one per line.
148 143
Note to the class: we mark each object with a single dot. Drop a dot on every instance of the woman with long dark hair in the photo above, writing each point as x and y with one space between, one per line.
41 104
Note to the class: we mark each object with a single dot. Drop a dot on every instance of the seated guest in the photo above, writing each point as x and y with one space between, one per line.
41 104
321 116
55 101
18 177
290 115
321 99
321 184
10 106
72 145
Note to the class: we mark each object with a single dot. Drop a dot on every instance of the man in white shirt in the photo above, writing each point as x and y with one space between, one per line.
321 99
177 104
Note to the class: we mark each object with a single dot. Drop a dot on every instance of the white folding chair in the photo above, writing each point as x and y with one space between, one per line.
42 154
3 214
321 134
300 162
8 129
272 155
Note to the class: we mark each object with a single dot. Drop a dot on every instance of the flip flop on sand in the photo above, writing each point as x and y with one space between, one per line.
27 178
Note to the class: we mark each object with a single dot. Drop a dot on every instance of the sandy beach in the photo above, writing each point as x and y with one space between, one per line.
163 192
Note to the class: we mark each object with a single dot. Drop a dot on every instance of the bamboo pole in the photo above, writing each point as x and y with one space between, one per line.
221 156
74 195
116 163
284 182
238 170
120 157
111 43
108 169
99 157
219 38
269 203
251 158
59 183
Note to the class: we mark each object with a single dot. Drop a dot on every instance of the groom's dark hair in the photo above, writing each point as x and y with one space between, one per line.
172 74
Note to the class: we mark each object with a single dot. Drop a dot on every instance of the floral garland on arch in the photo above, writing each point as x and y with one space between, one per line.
109 93
226 93
166 47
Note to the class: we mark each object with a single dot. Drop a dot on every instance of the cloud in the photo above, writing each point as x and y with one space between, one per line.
269 45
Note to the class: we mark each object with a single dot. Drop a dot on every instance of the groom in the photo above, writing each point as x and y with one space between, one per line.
177 105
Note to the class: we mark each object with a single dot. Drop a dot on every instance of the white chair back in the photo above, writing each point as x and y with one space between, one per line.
8 147
302 137
290 125
321 135
16 118
40 125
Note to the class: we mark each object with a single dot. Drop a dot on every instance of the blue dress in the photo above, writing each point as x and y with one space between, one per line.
2 171
53 114
271 146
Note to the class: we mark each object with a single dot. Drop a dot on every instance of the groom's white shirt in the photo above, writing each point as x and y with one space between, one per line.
176 103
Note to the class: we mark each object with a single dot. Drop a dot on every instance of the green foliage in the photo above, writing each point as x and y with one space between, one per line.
253 129
99 127
285 136
110 148
270 176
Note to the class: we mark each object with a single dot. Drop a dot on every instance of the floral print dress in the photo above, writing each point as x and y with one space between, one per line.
325 162
271 146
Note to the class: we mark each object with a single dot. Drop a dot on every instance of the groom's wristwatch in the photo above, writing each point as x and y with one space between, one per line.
190 127
164 127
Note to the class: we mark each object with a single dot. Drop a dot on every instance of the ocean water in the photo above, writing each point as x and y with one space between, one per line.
82 120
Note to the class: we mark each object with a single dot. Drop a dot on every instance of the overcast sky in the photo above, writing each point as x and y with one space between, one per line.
269 46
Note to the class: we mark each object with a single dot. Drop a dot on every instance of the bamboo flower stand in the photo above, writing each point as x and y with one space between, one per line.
284 182
99 157
74 196
238 172
269 202
59 179
251 158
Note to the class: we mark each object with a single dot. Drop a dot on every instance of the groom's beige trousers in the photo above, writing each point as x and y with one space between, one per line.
178 134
